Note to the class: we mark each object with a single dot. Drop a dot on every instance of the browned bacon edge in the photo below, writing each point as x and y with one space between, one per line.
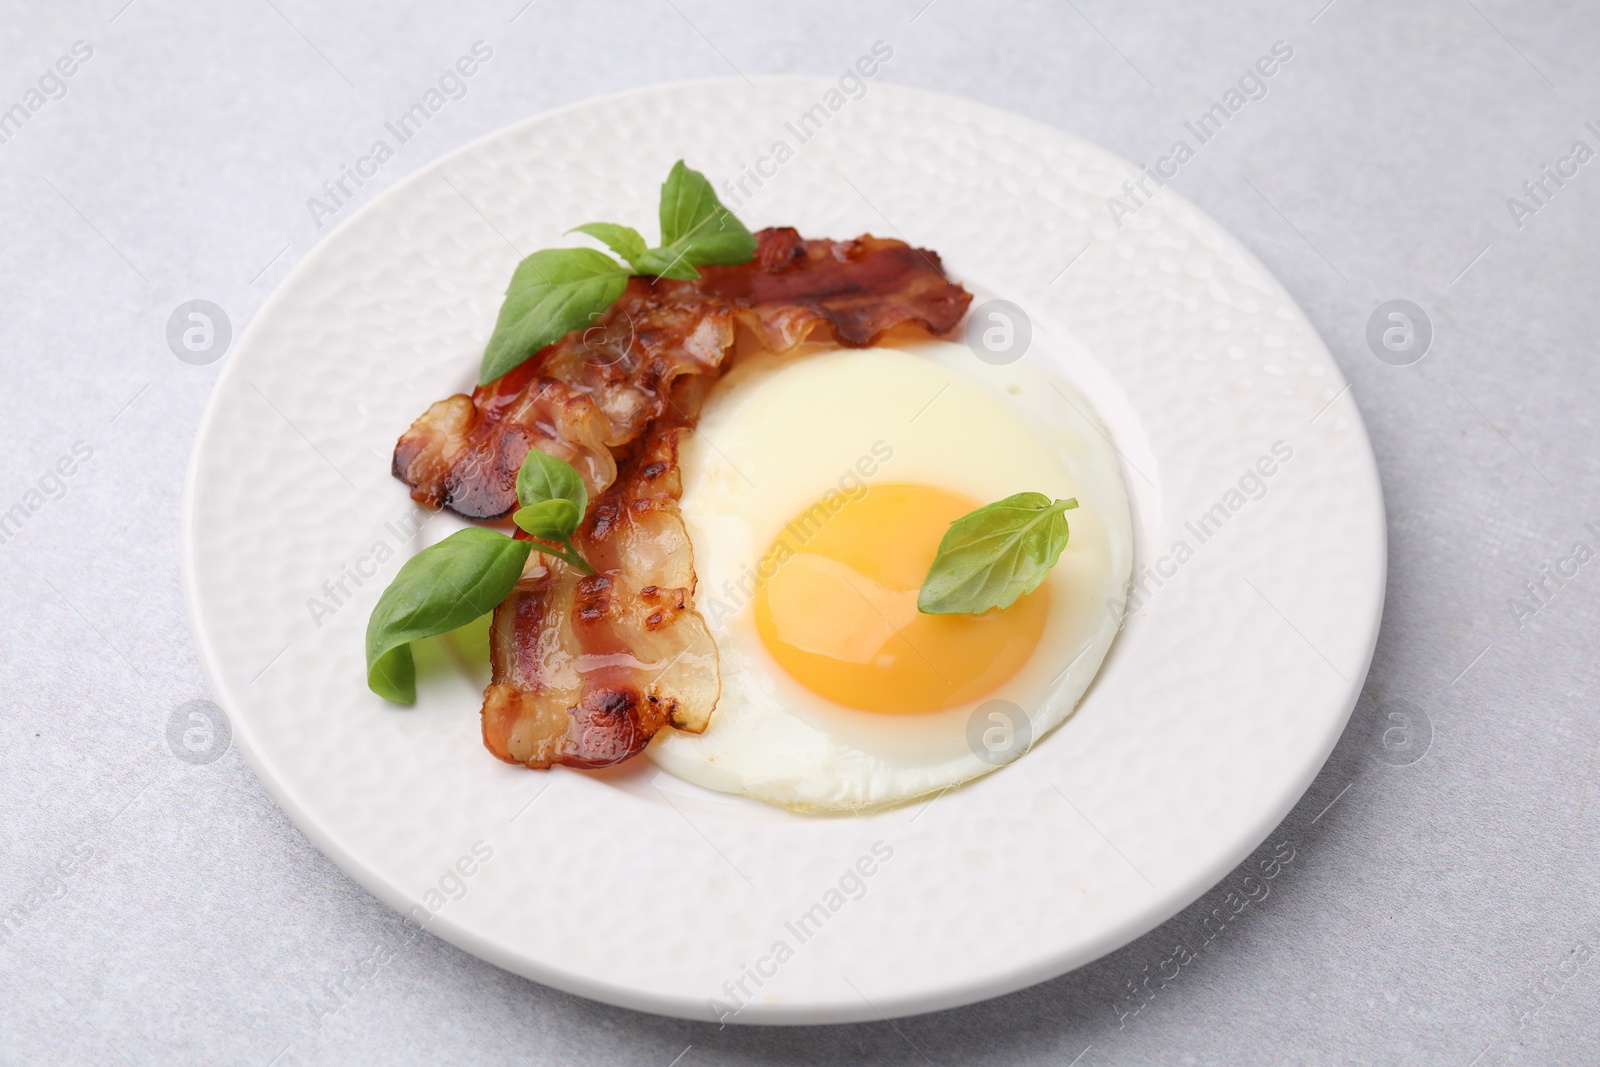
595 390
588 669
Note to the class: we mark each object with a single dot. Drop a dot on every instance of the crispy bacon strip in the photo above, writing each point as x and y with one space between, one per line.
852 292
587 669
593 392
464 452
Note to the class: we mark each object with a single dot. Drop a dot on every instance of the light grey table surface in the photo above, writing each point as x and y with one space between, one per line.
1440 905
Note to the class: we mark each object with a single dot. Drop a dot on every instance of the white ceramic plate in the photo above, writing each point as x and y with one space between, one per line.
1221 698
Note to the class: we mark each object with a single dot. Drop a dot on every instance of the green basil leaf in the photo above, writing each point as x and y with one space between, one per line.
552 293
696 230
553 501
549 520
440 588
667 263
991 556
544 477
687 200
625 241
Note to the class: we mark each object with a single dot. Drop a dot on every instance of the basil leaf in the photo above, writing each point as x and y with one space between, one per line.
553 501
696 230
544 477
549 520
687 200
625 241
667 263
552 293
991 556
440 588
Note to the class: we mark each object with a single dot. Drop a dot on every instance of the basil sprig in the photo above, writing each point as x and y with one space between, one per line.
469 573
558 290
696 230
990 557
553 503
625 241
440 588
552 293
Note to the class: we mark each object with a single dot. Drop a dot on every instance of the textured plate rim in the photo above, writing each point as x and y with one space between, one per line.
1162 907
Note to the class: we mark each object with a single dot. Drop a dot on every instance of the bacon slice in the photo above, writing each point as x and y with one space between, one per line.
464 452
852 292
588 668
595 391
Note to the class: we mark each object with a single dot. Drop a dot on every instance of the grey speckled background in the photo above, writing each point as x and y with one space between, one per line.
1440 904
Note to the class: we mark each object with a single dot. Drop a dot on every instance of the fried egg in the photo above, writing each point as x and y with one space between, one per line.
816 491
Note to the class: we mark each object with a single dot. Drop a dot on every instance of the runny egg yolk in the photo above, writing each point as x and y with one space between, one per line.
838 606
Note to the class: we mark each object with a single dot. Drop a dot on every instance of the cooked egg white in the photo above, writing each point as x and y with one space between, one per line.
816 491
